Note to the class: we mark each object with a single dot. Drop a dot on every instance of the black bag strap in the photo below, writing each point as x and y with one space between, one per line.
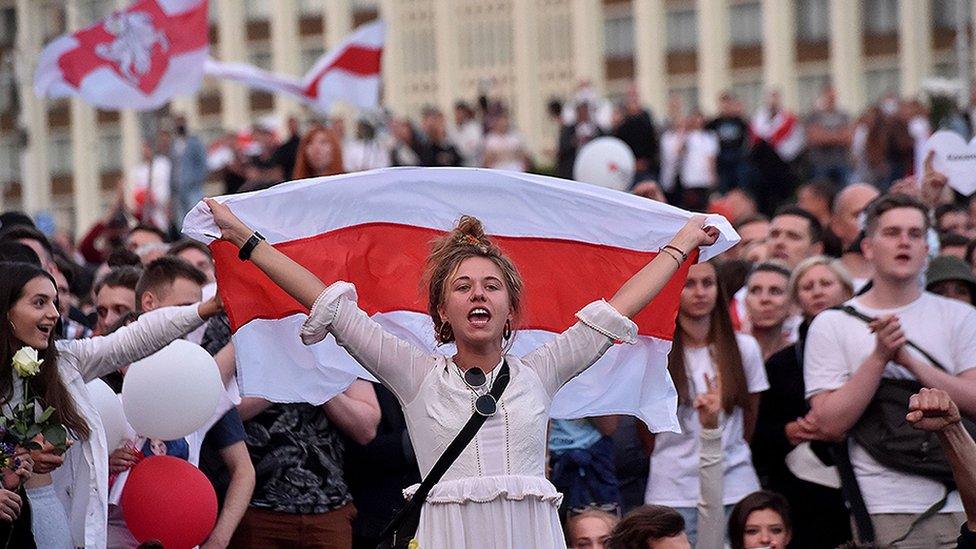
448 458
862 519
867 320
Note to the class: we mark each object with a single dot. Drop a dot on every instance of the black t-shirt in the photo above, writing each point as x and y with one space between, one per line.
229 430
732 133
439 154
637 131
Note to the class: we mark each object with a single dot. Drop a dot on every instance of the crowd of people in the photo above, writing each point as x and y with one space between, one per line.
853 281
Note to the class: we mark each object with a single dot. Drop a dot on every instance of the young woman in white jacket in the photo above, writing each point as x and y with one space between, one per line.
78 479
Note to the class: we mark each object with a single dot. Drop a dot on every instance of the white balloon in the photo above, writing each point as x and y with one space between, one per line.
607 162
110 409
172 393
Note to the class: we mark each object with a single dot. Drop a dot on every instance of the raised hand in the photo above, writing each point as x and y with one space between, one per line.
932 410
694 234
709 404
231 227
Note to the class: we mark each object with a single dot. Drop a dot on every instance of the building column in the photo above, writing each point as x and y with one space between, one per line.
392 72
338 21
713 52
234 98
914 44
779 49
286 56
35 171
588 46
650 55
446 51
528 115
846 55
86 172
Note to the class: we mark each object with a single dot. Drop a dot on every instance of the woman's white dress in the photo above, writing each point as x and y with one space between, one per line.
495 495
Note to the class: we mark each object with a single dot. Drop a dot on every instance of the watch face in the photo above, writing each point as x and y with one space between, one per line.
486 405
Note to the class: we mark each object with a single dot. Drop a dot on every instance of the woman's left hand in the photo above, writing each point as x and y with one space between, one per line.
47 459
694 234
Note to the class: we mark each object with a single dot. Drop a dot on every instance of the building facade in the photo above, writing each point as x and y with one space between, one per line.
65 157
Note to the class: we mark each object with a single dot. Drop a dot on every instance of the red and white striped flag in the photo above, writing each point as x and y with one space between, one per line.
350 72
573 243
137 58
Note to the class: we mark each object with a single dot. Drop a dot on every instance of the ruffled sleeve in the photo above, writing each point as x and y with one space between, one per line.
400 365
324 311
576 349
602 317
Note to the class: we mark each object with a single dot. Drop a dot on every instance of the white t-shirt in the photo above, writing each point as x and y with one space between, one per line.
698 161
507 151
673 478
837 344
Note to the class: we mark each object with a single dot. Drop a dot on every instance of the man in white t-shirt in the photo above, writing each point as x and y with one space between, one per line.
845 359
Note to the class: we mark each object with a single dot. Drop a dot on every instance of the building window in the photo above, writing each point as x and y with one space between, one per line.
813 20
110 150
59 154
310 56
944 13
418 46
8 86
880 81
809 88
682 29
257 9
618 36
311 7
749 93
745 24
8 26
260 59
689 97
555 38
9 160
881 16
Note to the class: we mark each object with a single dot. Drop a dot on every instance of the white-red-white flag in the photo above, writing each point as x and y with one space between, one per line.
573 243
349 72
137 58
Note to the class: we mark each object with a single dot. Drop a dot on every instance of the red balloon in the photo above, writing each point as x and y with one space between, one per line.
170 500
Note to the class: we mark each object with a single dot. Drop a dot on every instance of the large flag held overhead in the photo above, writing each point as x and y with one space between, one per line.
573 243
137 58
349 72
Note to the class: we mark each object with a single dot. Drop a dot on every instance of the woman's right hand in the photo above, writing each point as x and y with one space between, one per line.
709 404
9 506
231 227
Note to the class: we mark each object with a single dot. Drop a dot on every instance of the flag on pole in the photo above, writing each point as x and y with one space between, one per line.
138 58
349 72
573 243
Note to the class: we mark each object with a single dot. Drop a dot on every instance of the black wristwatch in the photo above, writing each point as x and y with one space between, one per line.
245 252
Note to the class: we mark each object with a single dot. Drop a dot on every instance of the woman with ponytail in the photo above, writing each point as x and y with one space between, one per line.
68 491
495 495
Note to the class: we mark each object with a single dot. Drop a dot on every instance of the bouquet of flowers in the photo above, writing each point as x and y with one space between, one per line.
31 418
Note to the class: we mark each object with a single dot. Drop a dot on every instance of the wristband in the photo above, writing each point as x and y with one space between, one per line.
245 252
670 254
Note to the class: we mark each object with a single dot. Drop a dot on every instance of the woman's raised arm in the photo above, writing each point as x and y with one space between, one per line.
296 280
644 286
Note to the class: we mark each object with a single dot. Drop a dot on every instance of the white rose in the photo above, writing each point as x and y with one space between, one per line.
26 363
